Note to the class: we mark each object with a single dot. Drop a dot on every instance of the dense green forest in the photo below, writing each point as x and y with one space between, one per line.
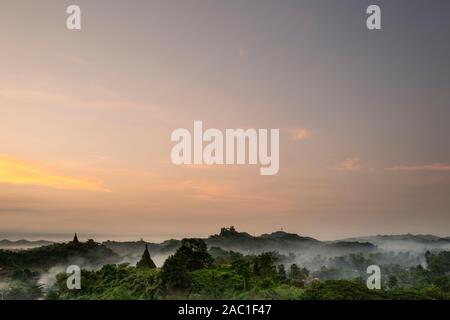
198 271
193 272
48 256
22 270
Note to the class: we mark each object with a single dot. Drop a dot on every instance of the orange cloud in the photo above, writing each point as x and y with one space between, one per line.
426 167
24 173
298 134
206 191
349 164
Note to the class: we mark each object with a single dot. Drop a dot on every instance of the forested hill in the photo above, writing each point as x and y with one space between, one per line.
406 242
22 244
231 239
60 253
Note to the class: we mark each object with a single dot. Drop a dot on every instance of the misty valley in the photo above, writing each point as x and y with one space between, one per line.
229 265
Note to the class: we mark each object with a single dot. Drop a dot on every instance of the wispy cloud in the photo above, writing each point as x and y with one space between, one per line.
19 172
426 167
349 164
68 100
298 134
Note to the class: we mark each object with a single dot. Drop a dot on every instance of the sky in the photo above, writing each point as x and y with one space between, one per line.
86 117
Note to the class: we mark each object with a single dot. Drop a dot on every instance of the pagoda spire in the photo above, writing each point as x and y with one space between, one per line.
146 261
75 239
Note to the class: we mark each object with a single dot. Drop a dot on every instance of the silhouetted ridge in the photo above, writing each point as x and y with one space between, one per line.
231 232
286 236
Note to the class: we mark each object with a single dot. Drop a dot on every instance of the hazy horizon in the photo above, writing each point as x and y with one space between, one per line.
158 238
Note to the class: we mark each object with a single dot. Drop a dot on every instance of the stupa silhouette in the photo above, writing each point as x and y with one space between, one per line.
146 261
75 239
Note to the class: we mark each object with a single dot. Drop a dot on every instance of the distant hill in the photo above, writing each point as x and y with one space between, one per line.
402 237
351 245
135 248
228 239
82 253
23 244
281 235
406 242
231 239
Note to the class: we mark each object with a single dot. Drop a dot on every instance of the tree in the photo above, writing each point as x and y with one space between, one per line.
296 273
146 261
304 273
256 268
264 264
438 264
281 272
392 281
196 254
192 255
443 283
174 272
242 268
